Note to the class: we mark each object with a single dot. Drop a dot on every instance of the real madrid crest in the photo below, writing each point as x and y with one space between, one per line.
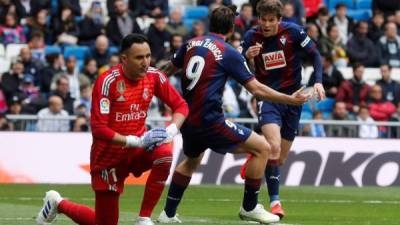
283 40
121 90
145 93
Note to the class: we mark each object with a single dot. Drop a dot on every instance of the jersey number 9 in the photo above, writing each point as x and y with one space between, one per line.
194 69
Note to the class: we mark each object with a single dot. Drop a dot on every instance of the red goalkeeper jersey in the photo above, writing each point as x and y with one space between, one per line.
121 105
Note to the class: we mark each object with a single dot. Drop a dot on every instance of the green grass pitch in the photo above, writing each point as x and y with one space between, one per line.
209 205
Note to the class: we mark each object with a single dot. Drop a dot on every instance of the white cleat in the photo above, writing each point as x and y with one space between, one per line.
163 218
144 221
48 213
258 214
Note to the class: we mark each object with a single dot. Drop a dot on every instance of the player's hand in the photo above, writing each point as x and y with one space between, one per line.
300 96
152 137
319 90
253 51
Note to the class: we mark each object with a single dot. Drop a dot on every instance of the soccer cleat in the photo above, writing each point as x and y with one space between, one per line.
163 218
48 213
144 221
277 209
258 214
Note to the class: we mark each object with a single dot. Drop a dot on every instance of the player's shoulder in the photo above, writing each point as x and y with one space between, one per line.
250 33
156 74
109 74
291 27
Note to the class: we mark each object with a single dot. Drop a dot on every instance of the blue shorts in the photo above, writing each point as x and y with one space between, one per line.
222 137
285 116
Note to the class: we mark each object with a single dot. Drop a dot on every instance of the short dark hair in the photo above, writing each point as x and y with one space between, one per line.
131 39
265 7
222 19
357 65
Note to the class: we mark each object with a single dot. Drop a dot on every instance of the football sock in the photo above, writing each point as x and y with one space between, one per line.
155 185
80 214
177 188
272 177
251 190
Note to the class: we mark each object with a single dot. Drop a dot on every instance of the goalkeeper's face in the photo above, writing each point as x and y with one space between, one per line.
136 60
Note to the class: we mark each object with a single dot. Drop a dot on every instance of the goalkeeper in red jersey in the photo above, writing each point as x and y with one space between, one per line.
121 144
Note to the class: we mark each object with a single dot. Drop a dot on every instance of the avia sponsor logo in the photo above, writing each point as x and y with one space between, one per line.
274 60
122 117
312 161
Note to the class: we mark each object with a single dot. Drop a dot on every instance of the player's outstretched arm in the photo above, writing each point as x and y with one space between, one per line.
268 94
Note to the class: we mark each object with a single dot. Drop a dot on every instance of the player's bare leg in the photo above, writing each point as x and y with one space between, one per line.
180 181
250 210
272 133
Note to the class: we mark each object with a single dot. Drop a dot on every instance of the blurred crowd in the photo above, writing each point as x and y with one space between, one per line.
45 80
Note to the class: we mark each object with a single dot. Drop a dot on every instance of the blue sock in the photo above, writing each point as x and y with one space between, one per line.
178 186
272 177
251 190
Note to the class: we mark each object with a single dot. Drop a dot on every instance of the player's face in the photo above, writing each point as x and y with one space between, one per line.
136 60
269 24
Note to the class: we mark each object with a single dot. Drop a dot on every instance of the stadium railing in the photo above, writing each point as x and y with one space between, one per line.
341 128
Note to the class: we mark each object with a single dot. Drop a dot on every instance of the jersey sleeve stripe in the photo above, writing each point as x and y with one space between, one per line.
305 42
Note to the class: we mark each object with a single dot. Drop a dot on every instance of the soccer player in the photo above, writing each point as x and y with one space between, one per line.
273 49
121 145
207 62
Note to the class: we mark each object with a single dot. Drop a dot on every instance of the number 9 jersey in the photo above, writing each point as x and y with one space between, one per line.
207 62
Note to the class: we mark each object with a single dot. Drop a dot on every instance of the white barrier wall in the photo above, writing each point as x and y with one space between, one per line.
64 158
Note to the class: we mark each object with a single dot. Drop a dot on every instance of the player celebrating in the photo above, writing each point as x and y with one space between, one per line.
207 61
274 50
121 145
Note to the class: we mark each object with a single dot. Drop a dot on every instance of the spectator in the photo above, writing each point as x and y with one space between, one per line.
101 51
395 131
386 6
73 5
5 125
288 14
81 124
152 8
332 46
360 48
321 21
198 29
11 31
31 66
311 7
28 89
15 107
344 23
72 73
65 28
10 81
121 24
37 47
11 7
313 32
331 77
159 38
209 2
62 90
375 26
55 64
391 88
92 24
230 104
90 69
379 108
365 130
354 92
389 46
114 60
340 113
317 130
245 21
38 23
53 118
85 100
175 24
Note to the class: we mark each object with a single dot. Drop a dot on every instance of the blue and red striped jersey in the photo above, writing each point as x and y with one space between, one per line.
279 63
207 62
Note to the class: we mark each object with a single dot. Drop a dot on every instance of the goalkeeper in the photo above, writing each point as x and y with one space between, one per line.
121 145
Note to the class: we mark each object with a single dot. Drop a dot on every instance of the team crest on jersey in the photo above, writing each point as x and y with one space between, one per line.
282 40
274 60
104 106
121 90
145 93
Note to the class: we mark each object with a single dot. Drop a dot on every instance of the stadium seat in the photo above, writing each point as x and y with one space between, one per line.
2 51
49 49
4 65
360 14
325 105
195 12
12 50
188 23
80 52
113 49
333 3
363 4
